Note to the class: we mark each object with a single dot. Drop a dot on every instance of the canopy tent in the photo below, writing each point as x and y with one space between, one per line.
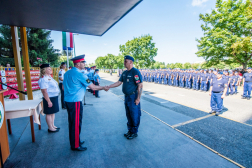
92 17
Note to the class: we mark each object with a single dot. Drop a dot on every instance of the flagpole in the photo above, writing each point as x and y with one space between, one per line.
67 60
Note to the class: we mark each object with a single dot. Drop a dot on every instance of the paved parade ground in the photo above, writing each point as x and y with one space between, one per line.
175 131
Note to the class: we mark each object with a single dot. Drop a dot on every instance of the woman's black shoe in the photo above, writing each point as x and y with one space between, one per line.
57 130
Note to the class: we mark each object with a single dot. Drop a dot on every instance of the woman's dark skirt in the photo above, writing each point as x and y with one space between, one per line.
54 108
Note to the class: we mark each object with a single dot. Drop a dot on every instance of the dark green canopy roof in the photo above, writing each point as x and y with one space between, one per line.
93 17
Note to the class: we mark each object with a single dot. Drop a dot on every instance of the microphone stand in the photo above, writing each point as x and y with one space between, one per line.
14 88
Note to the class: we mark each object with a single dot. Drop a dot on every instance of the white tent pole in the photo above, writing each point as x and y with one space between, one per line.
67 60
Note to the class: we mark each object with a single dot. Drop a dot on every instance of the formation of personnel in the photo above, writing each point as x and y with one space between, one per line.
199 79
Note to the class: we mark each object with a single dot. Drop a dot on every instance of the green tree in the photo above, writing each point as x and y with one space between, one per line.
196 65
227 33
39 46
178 65
172 66
158 65
187 65
142 49
6 50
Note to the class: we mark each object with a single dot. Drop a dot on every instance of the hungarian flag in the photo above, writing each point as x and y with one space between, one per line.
67 40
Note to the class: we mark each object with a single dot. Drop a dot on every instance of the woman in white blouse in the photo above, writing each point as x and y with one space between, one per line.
50 90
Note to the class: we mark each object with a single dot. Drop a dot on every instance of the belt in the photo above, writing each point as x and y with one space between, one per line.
217 92
248 81
131 93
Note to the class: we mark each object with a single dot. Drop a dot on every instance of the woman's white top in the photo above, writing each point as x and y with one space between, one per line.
47 82
61 75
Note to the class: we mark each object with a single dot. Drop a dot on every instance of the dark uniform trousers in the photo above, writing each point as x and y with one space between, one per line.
75 112
96 91
63 104
133 113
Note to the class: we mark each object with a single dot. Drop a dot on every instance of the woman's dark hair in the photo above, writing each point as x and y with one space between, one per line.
62 64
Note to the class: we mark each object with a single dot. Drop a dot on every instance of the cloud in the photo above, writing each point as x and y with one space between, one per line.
198 2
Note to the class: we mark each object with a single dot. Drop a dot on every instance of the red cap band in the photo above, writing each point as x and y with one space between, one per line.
79 60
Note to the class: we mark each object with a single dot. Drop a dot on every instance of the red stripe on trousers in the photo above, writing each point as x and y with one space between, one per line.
78 128
76 125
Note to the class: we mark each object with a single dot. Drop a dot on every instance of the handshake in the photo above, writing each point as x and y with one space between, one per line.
106 88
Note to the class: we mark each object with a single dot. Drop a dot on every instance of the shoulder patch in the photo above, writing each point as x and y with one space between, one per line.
88 81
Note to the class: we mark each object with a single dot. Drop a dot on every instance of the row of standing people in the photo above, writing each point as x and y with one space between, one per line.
199 79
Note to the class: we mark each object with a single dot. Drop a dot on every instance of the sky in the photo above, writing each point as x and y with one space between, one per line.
173 24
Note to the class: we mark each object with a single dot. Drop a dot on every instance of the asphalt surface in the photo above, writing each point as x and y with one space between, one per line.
159 144
104 123
230 138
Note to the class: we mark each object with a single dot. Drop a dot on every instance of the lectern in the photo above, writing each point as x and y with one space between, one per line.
5 151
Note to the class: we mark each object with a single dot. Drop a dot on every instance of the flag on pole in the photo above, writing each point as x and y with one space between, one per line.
67 40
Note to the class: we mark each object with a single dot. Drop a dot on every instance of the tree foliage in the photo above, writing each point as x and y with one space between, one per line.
110 61
39 46
187 65
227 33
142 49
178 65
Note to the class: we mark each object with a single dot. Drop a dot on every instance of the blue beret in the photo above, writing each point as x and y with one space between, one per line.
129 58
44 66
96 70
221 73
249 68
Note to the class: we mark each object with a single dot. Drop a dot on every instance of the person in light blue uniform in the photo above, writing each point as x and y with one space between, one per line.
226 77
181 76
169 77
195 79
217 92
132 88
203 81
160 77
247 84
237 82
75 83
190 79
97 81
166 79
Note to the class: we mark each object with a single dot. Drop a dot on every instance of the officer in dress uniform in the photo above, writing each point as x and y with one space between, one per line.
247 84
61 78
217 92
75 84
132 88
97 80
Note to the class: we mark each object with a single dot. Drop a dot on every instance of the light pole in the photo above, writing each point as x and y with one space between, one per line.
74 44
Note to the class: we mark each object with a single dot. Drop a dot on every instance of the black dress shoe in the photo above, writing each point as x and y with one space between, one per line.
131 136
57 128
97 96
79 149
82 142
50 131
127 134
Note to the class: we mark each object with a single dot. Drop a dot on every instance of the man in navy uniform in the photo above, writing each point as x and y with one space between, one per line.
247 84
217 92
75 83
132 88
